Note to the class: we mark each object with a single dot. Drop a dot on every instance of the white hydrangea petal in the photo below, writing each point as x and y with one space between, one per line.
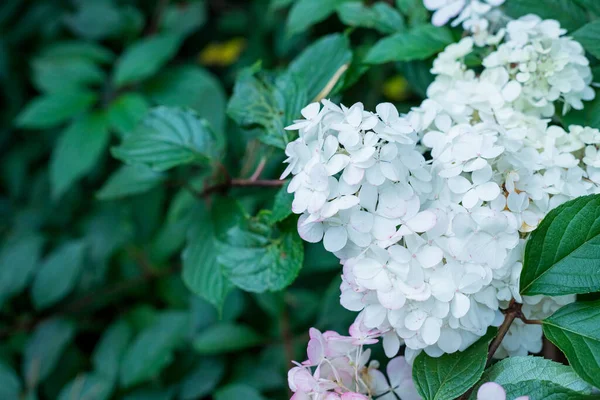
415 319
491 391
430 256
430 331
449 341
488 191
422 222
460 305
335 238
459 184
391 344
312 232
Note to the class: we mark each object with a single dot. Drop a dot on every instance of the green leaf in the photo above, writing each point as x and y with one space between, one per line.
57 74
282 206
575 329
126 112
257 257
415 12
563 253
87 136
169 137
449 376
202 380
145 57
51 110
58 274
184 18
417 44
87 386
238 391
110 349
306 13
10 385
590 5
202 273
570 15
380 16
44 349
152 349
267 103
190 86
97 20
542 390
226 337
18 260
517 372
78 49
151 394
320 65
589 37
129 180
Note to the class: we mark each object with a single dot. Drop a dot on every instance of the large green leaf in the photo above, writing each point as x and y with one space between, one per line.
87 386
417 44
257 257
58 274
267 103
563 253
449 376
320 65
152 349
306 13
226 337
129 180
570 15
77 151
190 86
18 260
380 16
53 109
589 36
145 57
202 273
109 351
10 385
44 348
169 137
575 329
515 374
590 5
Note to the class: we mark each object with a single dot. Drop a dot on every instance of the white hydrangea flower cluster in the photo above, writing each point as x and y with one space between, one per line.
547 65
432 247
476 16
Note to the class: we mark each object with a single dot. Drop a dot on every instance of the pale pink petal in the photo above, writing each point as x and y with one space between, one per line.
491 391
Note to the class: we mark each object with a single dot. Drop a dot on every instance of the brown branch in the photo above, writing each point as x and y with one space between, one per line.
512 312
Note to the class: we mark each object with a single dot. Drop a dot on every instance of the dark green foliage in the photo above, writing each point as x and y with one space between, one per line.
125 252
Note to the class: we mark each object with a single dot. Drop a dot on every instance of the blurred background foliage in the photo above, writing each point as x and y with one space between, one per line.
147 251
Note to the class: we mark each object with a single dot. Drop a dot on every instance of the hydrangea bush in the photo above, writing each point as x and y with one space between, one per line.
305 199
